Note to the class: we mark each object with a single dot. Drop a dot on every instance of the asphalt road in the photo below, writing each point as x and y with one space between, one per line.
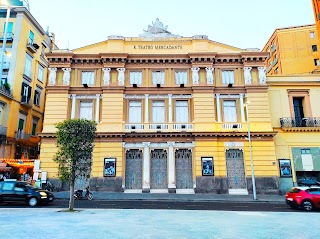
186 205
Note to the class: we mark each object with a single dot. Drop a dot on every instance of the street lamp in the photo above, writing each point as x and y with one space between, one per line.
4 2
250 148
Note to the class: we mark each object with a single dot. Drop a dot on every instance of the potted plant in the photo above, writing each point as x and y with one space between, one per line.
7 86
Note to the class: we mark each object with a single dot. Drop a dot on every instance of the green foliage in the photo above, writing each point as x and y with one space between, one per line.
75 139
7 86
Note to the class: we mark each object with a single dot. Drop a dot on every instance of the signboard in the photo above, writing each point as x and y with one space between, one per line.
207 166
285 168
109 167
15 2
44 177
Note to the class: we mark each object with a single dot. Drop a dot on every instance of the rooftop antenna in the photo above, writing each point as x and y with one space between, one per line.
68 45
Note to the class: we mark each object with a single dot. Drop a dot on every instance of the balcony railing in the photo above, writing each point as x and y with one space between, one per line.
134 126
231 126
9 36
26 101
3 130
304 122
20 134
5 90
176 127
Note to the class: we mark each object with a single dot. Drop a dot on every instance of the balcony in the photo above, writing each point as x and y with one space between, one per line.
5 90
304 122
3 131
26 101
6 65
32 46
9 36
152 127
21 135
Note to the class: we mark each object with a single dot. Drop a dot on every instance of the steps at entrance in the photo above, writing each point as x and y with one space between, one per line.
184 191
239 191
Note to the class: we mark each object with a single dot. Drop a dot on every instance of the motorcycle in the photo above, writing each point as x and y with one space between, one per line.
49 187
78 194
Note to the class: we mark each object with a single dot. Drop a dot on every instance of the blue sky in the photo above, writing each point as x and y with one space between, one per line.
243 24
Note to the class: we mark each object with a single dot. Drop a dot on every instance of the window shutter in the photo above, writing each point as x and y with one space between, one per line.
22 88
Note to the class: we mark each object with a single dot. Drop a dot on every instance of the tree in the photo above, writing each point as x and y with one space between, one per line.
75 141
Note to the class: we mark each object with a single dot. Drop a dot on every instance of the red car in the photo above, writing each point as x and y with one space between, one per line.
307 198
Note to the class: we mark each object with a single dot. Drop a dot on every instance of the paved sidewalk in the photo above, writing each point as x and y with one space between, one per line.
111 196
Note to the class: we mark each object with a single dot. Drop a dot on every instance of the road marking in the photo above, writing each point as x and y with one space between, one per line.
240 206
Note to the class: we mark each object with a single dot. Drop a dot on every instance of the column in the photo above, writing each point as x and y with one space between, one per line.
218 107
242 108
146 110
73 107
170 108
171 169
146 168
97 107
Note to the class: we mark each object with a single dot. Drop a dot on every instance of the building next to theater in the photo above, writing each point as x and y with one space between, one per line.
172 113
293 50
295 116
23 81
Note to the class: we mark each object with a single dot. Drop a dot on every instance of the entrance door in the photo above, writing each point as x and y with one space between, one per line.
298 111
159 174
184 169
133 169
235 169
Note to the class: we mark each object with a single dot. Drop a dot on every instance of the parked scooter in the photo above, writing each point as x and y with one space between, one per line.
78 194
49 187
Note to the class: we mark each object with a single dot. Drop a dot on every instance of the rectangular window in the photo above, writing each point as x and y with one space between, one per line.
40 72
227 77
135 77
312 35
316 62
43 51
28 66
34 126
305 151
182 111
88 77
276 71
298 110
25 92
135 112
229 111
314 48
22 120
86 110
37 97
181 77
158 112
31 38
1 113
9 30
158 77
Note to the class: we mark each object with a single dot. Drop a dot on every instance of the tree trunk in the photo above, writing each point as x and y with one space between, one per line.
71 200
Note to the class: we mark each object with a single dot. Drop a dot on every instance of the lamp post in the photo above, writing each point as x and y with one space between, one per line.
250 148
4 2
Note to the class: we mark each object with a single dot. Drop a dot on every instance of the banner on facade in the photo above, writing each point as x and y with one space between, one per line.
109 167
285 168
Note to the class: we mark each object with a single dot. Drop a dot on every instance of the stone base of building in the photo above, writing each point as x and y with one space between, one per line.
265 185
216 185
106 184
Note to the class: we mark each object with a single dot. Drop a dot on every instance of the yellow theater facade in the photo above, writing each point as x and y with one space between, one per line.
172 113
